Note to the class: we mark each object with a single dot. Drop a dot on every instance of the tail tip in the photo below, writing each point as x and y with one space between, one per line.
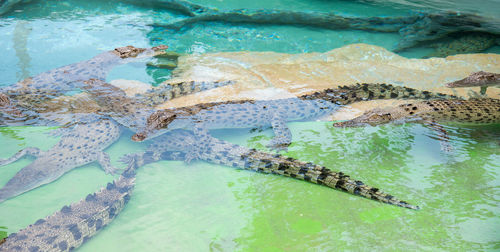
408 205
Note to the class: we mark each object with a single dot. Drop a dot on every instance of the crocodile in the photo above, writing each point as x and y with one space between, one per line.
76 223
93 137
415 29
48 85
132 112
475 110
477 79
251 113
79 220
463 44
79 145
177 144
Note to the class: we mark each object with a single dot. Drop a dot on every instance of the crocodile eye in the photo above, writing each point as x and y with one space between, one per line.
375 117
138 137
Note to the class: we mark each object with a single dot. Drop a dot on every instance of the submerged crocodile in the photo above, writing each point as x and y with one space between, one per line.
476 110
132 112
225 153
79 145
29 92
85 142
250 113
414 29
463 44
79 227
73 225
478 79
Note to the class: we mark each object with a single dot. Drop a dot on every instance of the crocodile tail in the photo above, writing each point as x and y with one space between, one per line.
277 164
237 156
343 182
167 92
364 92
74 224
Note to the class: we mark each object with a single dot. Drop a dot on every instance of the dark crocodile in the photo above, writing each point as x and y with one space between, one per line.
250 113
477 110
79 145
221 152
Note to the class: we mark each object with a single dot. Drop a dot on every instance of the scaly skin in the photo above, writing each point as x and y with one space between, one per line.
250 113
221 152
65 78
28 93
413 29
464 44
132 112
482 110
71 226
83 144
477 79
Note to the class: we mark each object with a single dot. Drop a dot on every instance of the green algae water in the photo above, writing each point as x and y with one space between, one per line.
200 206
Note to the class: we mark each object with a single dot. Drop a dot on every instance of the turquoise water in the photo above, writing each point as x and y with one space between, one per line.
200 206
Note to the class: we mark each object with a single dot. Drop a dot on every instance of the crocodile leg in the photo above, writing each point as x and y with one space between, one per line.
444 139
483 90
196 149
104 160
282 134
26 151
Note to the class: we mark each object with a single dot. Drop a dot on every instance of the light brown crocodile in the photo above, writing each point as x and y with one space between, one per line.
478 79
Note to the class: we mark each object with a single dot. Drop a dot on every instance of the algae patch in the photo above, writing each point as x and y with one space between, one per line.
3 234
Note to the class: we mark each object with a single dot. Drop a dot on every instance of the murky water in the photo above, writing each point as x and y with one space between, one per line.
200 206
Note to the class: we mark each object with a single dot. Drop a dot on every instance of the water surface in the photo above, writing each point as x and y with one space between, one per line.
200 206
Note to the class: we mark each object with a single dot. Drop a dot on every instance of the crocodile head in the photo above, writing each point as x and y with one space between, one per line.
476 79
133 52
161 121
372 117
4 100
